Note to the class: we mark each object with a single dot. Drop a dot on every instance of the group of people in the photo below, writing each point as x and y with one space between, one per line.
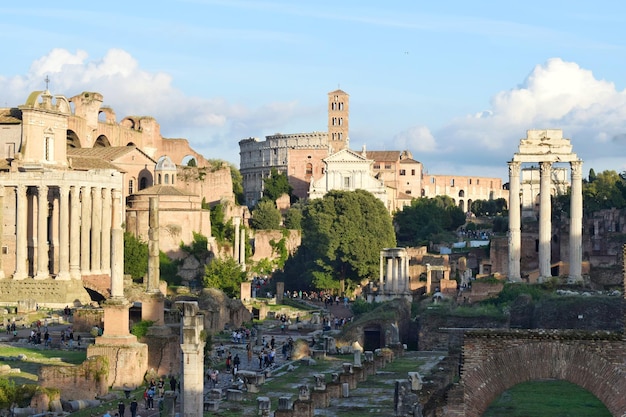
156 389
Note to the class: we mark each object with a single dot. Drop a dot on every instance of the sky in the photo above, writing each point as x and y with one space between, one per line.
456 83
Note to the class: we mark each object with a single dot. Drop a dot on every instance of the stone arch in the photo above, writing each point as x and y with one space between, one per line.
72 140
186 160
530 361
102 142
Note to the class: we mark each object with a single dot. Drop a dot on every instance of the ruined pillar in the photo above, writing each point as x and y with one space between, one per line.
153 301
389 275
1 226
242 249
85 230
64 233
515 231
42 233
545 220
236 221
192 347
96 229
117 247
74 226
105 257
576 225
21 250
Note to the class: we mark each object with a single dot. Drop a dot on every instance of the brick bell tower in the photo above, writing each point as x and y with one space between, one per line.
338 120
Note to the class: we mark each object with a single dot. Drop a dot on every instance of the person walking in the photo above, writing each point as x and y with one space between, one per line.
121 407
133 408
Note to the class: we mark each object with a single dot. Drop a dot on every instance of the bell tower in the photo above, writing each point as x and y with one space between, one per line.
338 112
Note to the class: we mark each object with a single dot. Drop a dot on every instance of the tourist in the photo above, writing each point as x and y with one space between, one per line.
133 408
236 363
121 407
249 353
161 387
172 383
106 414
229 362
151 393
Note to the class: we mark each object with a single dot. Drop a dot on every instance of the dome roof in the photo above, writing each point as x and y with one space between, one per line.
165 164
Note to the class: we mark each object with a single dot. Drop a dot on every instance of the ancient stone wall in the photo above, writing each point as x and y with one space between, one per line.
87 380
263 248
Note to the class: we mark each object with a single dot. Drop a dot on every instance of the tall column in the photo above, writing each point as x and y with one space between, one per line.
192 348
576 223
105 258
1 229
381 266
96 229
85 230
545 220
117 247
21 249
153 246
389 281
74 226
42 232
64 233
515 231
236 221
242 249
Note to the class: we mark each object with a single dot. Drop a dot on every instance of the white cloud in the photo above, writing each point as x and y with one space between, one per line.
557 94
417 138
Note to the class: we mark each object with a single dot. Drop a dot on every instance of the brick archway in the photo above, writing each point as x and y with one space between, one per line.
496 363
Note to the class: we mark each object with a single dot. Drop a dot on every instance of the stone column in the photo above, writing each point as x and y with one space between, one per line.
381 267
117 247
42 232
515 231
85 230
64 233
242 249
2 276
407 275
389 282
576 225
96 229
192 347
153 246
74 226
429 281
236 221
105 259
545 220
21 249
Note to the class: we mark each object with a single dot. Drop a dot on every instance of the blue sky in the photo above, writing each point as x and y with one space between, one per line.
457 83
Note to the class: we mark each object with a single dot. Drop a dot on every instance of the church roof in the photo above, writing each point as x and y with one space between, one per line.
164 190
383 155
7 117
338 91
109 153
81 163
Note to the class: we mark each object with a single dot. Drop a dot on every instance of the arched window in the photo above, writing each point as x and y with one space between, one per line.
461 193
167 179
142 183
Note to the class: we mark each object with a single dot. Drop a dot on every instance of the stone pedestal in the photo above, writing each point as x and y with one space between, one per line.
234 395
128 359
303 408
333 389
153 307
320 398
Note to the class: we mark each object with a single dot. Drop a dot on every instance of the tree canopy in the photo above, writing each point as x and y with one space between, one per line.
276 185
342 235
224 274
265 216
426 219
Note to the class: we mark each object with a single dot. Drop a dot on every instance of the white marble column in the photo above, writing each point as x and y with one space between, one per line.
545 220
242 249
74 232
576 223
389 281
42 233
153 246
85 231
515 231
381 268
96 229
2 276
117 246
236 221
21 248
64 233
105 258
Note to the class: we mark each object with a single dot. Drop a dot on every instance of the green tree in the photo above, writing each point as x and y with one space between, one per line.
135 256
276 185
605 192
427 219
237 180
265 216
342 235
224 274
293 218
192 163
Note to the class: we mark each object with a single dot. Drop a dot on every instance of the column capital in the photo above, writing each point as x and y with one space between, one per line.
545 167
576 169
514 168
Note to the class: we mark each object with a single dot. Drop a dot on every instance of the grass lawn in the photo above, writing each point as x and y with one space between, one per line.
556 398
35 357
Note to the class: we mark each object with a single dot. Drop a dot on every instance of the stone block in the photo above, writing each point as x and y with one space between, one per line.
212 405
234 395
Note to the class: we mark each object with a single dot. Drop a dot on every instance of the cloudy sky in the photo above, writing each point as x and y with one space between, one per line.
457 83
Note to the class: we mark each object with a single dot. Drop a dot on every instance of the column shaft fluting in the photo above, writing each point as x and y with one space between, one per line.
105 259
96 229
117 247
545 219
576 225
21 249
64 233
74 232
85 231
42 233
515 233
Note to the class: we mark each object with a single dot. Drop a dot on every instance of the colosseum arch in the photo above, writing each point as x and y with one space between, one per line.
186 160
72 140
577 361
102 142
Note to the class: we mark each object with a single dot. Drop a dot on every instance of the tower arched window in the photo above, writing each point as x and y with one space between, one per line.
167 179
